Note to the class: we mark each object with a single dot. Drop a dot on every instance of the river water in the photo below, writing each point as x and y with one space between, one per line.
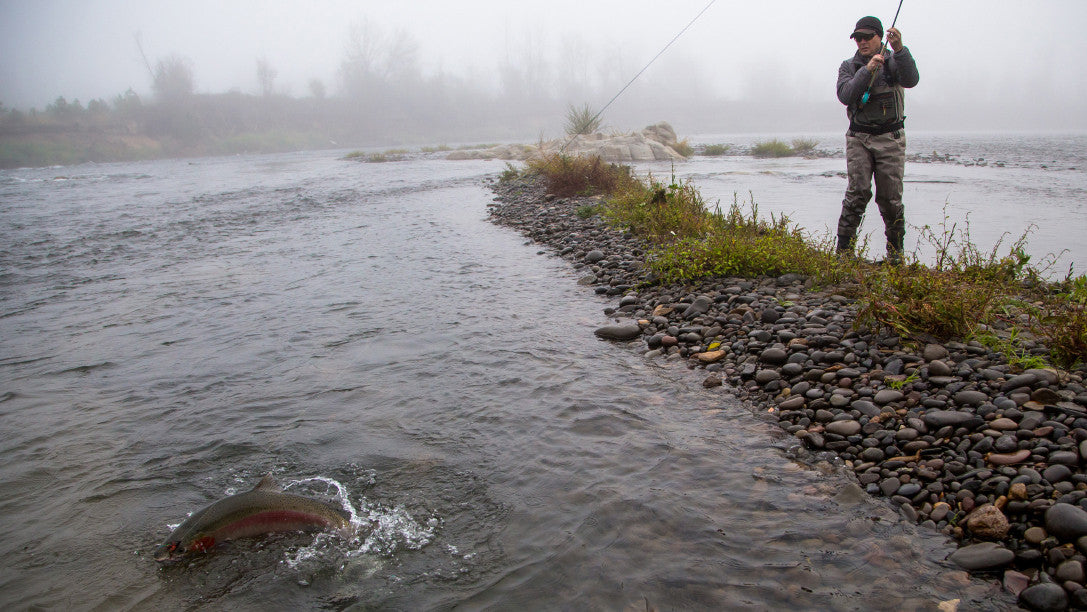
170 331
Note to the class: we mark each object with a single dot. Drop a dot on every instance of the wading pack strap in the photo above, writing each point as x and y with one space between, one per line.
877 129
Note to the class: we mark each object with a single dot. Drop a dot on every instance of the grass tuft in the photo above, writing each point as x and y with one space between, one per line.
684 148
581 120
714 150
772 148
804 146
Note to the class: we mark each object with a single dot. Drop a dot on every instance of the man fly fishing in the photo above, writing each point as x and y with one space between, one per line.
871 84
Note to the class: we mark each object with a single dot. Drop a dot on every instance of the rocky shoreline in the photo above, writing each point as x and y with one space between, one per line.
958 439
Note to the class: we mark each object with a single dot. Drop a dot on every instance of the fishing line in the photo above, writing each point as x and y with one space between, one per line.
882 48
644 68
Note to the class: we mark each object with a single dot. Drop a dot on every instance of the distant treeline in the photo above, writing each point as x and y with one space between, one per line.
382 98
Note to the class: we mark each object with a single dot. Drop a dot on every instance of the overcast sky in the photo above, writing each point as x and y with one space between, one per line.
989 54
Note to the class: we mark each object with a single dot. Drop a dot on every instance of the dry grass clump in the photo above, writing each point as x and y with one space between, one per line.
568 175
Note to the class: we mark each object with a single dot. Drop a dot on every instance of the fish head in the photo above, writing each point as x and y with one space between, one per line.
169 550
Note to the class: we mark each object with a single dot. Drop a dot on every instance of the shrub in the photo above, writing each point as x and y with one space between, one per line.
715 149
567 175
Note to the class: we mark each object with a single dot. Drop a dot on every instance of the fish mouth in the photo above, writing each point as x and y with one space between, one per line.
166 553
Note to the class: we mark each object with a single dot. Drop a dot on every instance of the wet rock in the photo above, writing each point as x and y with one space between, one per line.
792 403
1064 458
939 368
988 523
940 418
844 428
1034 535
764 376
594 256
710 356
774 356
1015 582
1057 473
619 332
887 396
971 398
701 305
890 486
1044 597
1070 570
1007 459
986 555
933 352
1022 380
1066 521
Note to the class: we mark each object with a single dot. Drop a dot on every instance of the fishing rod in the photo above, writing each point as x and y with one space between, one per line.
644 68
882 48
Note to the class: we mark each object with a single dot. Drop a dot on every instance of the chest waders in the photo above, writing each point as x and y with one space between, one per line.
881 113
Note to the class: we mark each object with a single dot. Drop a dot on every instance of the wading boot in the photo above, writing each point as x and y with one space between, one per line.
845 246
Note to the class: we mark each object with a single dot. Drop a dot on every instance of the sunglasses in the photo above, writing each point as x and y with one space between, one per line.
861 36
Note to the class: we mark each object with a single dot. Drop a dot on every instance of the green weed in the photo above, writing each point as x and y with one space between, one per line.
586 211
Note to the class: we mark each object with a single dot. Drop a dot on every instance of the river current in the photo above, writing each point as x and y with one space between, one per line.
171 331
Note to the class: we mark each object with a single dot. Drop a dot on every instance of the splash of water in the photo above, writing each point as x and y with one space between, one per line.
377 530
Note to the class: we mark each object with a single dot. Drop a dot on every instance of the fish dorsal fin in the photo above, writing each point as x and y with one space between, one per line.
268 484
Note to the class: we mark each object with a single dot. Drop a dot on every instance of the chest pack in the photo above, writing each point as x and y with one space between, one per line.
884 112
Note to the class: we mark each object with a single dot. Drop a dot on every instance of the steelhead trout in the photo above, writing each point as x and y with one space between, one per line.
265 509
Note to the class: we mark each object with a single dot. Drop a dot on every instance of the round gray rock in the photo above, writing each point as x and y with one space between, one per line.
619 332
774 356
886 396
844 428
1044 596
971 398
982 556
1066 521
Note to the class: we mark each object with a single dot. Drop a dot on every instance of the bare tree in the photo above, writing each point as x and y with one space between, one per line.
173 79
266 76
373 59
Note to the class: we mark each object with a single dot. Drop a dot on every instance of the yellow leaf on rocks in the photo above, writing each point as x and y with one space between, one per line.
710 356
661 310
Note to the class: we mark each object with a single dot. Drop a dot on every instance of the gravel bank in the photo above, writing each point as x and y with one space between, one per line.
959 440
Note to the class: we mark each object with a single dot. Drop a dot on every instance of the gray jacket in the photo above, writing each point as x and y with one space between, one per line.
900 70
